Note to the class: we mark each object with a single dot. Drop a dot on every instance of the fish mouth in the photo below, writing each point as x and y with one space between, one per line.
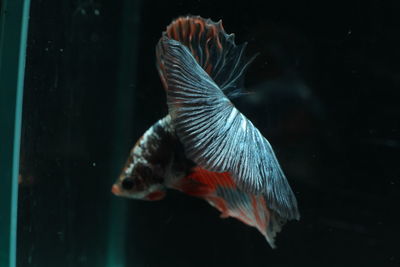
116 190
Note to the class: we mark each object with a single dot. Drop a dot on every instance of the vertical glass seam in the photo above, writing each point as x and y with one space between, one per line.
14 31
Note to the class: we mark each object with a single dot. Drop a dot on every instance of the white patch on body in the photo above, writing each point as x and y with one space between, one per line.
128 170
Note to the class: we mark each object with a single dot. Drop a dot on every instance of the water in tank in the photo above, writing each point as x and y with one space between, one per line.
279 144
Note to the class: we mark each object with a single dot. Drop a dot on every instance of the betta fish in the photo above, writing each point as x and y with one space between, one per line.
205 147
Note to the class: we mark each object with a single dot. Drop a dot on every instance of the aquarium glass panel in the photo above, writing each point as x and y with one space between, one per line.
318 80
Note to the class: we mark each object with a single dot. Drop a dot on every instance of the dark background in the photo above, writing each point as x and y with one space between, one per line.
324 91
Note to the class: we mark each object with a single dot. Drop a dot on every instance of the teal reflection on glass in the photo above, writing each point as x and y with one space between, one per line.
13 35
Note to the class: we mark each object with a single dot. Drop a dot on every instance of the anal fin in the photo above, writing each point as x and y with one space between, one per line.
220 191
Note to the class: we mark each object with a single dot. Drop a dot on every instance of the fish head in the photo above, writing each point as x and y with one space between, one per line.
140 180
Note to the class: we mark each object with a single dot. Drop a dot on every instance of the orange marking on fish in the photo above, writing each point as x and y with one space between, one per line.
157 195
202 183
243 216
183 29
180 26
259 221
212 179
193 188
173 33
220 204
208 69
207 52
192 30
116 190
267 215
202 25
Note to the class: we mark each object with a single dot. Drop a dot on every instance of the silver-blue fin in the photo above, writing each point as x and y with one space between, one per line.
215 135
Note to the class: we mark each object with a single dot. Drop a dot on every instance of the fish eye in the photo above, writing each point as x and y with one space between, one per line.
128 183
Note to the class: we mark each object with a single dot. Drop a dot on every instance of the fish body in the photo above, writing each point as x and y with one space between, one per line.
205 147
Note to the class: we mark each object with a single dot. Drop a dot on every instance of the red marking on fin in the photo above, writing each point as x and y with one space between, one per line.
221 192
257 217
209 44
193 188
201 183
212 179
187 29
220 204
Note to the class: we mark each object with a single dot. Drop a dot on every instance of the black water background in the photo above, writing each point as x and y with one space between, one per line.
326 91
